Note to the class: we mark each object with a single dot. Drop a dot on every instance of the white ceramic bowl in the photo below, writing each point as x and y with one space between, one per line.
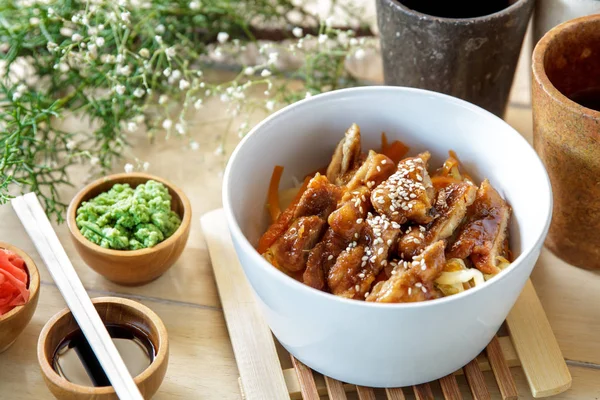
385 345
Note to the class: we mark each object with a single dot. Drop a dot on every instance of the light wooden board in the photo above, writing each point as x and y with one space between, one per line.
255 352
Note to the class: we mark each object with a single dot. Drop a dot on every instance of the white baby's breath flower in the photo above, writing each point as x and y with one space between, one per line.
50 11
124 70
76 37
270 105
146 166
273 57
125 16
70 145
224 98
176 74
219 150
34 20
99 41
167 71
342 38
120 89
265 73
198 104
298 32
162 99
92 30
145 52
51 46
128 168
119 58
359 54
94 160
75 18
160 29
353 42
132 126
170 52
194 5
308 94
329 22
139 119
167 124
183 84
101 27
322 38
180 128
222 37
248 70
158 38
16 96
67 32
139 92
194 146
63 67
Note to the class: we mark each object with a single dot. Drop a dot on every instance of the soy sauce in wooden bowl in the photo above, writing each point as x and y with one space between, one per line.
75 361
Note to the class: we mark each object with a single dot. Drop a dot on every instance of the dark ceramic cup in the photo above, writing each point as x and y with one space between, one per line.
466 48
566 65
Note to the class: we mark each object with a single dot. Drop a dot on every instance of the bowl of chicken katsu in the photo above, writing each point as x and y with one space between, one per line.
386 231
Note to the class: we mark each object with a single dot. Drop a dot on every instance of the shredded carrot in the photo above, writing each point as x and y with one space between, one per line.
396 151
384 142
283 221
273 194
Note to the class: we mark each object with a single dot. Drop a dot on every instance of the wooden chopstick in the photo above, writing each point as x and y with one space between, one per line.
423 392
450 388
308 387
48 245
394 394
365 393
335 389
476 381
506 383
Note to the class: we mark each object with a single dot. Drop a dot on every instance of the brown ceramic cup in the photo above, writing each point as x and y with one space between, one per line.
566 65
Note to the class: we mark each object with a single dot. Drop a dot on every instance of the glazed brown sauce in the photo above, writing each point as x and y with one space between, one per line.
589 98
458 8
75 361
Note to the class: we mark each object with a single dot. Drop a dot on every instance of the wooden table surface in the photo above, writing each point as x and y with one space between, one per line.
202 364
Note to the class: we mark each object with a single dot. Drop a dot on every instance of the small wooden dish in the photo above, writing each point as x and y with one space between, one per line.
13 322
112 310
131 267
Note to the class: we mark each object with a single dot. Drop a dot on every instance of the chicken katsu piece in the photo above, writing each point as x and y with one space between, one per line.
482 237
408 194
321 258
374 170
346 158
347 220
320 198
352 276
412 281
290 251
452 202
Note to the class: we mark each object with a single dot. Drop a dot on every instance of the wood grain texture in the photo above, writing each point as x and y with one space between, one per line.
365 393
394 394
423 392
114 311
308 388
13 322
131 267
476 381
536 345
506 383
250 336
450 388
335 389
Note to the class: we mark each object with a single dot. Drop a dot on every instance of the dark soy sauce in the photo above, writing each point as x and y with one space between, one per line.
589 98
75 361
457 9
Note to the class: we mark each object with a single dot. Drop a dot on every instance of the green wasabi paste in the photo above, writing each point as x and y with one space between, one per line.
128 219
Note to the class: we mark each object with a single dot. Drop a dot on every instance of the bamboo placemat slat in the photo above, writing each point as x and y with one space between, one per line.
536 345
251 338
335 389
308 388
423 392
476 381
395 394
450 388
504 379
365 393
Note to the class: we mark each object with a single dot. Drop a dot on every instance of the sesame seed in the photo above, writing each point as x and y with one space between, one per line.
361 275
409 291
366 295
383 162
389 242
424 289
359 221
378 168
330 257
393 272
418 284
356 235
423 267
357 288
380 251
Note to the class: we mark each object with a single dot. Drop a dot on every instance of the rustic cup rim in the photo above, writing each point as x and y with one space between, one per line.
459 21
539 70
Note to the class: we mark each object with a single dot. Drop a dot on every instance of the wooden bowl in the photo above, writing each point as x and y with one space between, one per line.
112 310
131 267
13 322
